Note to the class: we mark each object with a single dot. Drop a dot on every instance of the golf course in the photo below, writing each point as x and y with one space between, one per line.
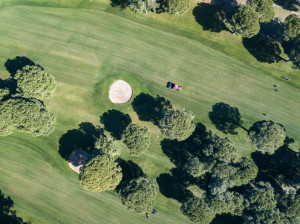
87 45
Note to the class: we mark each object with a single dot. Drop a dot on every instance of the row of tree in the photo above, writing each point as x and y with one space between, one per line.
22 108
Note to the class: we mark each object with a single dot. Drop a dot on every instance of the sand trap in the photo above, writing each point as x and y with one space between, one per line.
77 159
120 92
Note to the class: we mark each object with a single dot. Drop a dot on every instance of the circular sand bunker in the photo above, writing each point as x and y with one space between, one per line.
120 92
77 159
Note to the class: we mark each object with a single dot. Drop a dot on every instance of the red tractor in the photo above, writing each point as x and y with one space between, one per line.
174 86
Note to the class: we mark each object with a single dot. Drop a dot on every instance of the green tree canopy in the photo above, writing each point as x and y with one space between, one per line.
292 49
289 205
195 168
102 173
4 93
226 175
25 115
229 202
137 139
261 197
267 136
220 149
291 27
140 194
34 82
264 8
177 124
176 7
244 21
198 210
225 118
104 146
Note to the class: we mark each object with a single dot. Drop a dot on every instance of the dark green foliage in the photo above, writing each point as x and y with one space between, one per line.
25 115
289 205
140 194
264 8
228 203
104 146
143 5
176 7
34 82
198 210
261 197
7 215
226 175
102 173
291 27
244 21
220 149
273 216
195 168
137 139
225 118
267 136
4 93
177 124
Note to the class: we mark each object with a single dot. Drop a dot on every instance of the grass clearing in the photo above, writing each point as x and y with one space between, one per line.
87 46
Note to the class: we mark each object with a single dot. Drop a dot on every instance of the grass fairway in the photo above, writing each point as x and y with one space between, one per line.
87 46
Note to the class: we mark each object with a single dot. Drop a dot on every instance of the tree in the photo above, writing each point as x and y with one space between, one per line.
268 216
7 215
221 149
225 118
102 173
229 202
137 139
289 205
177 124
289 4
244 21
195 168
25 115
198 210
291 27
177 7
104 146
226 175
261 197
143 5
140 194
34 82
4 93
267 136
264 8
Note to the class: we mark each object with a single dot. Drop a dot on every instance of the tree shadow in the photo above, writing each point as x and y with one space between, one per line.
13 65
130 171
272 29
282 167
6 214
225 4
173 187
288 4
119 3
115 122
149 108
82 138
226 118
264 49
210 17
11 84
227 219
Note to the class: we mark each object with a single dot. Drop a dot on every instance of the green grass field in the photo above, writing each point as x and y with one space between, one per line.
87 45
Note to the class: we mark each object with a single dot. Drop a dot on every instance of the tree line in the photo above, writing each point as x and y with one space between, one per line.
21 100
